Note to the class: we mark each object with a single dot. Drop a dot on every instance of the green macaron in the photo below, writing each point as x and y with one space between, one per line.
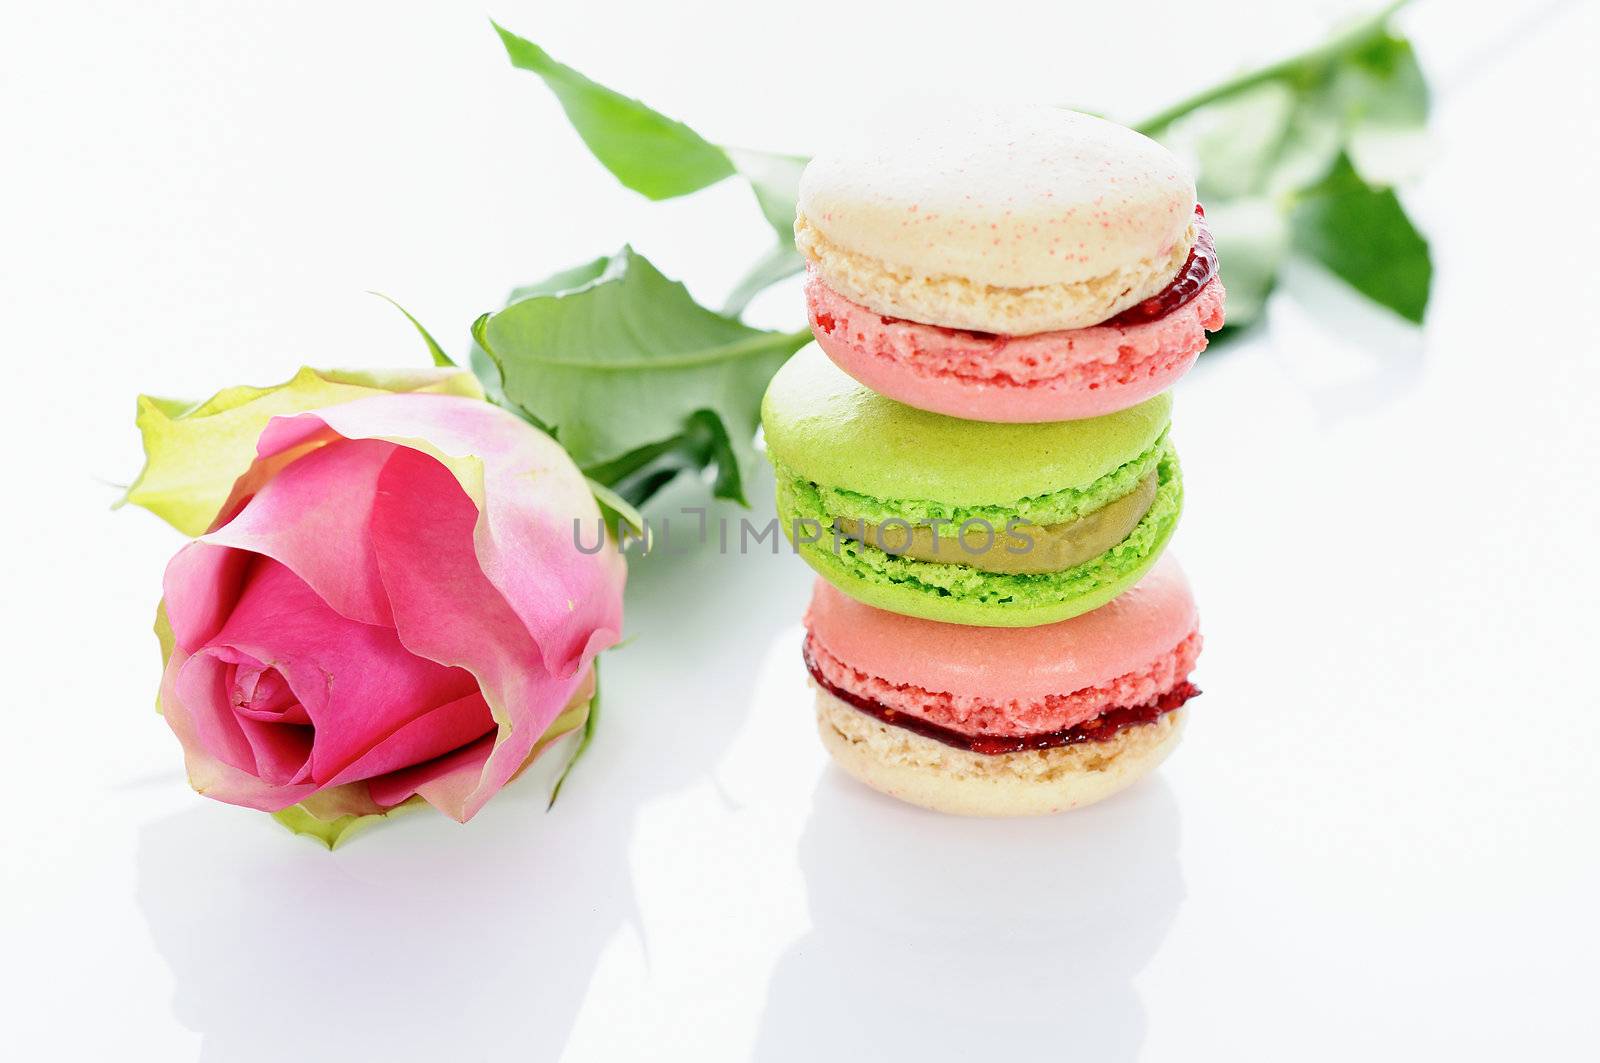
967 522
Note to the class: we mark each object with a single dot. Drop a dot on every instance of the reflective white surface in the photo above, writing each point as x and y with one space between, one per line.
1375 841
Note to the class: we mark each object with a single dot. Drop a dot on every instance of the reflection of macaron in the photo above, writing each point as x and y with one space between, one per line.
1001 525
981 721
1018 264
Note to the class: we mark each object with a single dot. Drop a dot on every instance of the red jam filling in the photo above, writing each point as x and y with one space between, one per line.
1198 269
1102 728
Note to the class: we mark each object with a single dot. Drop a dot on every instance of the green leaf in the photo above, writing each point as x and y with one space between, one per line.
1300 153
1306 154
591 720
1307 70
617 510
1381 81
440 358
639 474
648 152
567 280
782 262
1235 141
661 157
1388 155
1363 236
1385 99
488 374
1251 236
775 180
629 364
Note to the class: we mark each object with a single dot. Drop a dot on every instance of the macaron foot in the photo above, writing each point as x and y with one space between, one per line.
1052 376
932 775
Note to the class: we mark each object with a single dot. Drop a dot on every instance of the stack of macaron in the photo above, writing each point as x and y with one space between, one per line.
975 454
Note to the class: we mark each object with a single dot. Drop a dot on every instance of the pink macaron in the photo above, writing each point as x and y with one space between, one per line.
1004 721
1020 264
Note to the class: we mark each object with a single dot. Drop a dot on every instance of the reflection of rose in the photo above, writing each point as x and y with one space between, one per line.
390 606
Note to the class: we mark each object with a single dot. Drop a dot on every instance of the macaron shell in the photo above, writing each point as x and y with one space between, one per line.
831 429
1089 650
1007 196
1066 398
1053 376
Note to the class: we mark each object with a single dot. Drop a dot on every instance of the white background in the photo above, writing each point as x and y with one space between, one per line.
1377 840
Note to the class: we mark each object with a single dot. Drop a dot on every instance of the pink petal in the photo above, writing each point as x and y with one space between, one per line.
434 734
282 751
265 696
356 683
448 784
200 586
312 517
530 494
208 774
204 685
447 610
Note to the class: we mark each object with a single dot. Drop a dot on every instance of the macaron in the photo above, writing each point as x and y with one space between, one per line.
967 522
1004 722
1024 263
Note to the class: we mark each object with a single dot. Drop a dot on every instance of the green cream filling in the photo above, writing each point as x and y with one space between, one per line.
800 499
1055 507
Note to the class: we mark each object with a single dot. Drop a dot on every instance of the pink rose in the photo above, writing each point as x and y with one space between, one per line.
390 607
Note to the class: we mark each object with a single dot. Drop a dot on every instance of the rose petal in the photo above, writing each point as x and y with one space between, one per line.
194 451
447 610
529 495
274 723
436 733
200 586
208 774
281 750
448 784
203 684
356 682
312 517
262 695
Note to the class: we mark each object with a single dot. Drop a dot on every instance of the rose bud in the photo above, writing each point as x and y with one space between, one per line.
391 608
195 450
